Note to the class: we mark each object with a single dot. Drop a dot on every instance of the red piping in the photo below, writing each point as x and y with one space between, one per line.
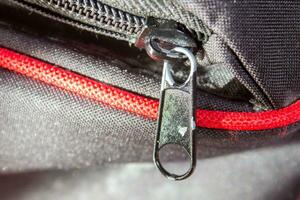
136 104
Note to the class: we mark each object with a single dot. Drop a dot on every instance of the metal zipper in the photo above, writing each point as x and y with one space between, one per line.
94 16
170 43
176 118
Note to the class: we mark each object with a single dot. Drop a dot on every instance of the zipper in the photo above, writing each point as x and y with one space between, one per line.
168 43
163 40
94 16
176 118
103 19
112 19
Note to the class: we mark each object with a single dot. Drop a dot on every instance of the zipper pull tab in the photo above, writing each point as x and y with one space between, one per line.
176 122
169 41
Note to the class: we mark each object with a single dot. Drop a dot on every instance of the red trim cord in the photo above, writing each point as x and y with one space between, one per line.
136 104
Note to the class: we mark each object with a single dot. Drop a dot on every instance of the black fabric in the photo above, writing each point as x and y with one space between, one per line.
264 35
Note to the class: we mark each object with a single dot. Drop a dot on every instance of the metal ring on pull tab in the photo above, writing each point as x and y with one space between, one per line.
176 115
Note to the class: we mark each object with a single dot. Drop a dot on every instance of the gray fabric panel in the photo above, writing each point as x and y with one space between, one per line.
44 127
270 173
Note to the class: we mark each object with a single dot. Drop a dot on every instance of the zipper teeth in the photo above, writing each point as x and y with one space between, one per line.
98 30
140 105
103 14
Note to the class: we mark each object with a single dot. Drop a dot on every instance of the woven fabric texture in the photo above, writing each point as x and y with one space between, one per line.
263 35
44 127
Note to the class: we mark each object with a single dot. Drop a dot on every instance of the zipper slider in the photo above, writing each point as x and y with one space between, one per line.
158 38
176 120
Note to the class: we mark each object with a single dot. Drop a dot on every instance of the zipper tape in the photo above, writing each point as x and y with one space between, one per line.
99 18
140 105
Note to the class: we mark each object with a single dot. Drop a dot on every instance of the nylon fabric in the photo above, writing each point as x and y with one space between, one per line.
264 36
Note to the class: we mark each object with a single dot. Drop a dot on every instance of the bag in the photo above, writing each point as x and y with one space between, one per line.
81 80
